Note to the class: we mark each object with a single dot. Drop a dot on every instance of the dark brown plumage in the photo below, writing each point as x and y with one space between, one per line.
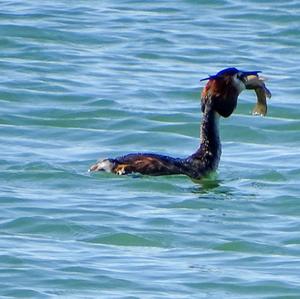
218 98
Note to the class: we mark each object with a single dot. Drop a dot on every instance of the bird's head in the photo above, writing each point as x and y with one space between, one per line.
222 90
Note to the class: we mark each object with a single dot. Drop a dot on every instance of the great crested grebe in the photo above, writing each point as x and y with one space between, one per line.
218 98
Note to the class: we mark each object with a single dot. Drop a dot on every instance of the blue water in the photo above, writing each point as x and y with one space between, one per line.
83 80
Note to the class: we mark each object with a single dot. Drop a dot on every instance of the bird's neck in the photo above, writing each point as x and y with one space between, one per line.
210 138
207 156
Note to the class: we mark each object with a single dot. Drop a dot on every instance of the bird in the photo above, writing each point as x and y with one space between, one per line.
218 99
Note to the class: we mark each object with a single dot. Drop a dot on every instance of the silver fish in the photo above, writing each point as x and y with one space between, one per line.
262 93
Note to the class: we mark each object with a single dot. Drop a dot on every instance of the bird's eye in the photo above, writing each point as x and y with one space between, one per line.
239 76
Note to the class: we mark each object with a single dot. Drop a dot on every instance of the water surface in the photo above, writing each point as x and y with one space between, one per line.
83 80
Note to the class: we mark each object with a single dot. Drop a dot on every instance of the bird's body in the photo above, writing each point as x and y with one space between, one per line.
219 98
197 165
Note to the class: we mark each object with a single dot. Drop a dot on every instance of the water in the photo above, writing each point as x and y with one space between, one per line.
82 80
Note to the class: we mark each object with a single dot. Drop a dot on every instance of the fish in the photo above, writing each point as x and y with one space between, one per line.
257 83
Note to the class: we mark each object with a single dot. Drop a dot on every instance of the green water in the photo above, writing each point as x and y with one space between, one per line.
83 80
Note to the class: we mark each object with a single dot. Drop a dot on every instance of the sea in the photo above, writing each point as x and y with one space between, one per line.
85 80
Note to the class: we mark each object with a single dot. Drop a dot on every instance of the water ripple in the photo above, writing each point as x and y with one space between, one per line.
82 81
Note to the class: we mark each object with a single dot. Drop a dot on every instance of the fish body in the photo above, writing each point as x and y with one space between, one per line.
257 84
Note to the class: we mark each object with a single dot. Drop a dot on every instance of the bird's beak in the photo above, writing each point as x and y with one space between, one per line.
244 75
